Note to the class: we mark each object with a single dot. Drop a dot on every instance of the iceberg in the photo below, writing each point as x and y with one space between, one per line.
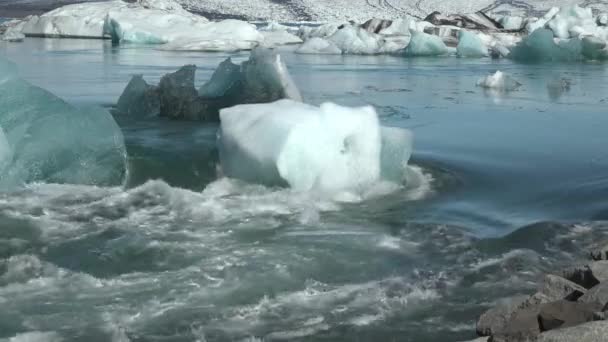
277 38
139 99
424 44
148 22
271 144
540 46
569 18
44 139
470 45
351 39
318 46
498 81
263 78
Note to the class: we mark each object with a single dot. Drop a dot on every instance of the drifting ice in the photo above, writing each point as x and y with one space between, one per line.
46 139
328 148
498 81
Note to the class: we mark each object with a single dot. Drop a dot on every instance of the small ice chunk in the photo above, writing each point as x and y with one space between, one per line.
319 46
498 81
271 144
470 45
423 44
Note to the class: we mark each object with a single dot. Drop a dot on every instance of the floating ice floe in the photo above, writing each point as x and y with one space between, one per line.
498 81
44 139
263 78
271 144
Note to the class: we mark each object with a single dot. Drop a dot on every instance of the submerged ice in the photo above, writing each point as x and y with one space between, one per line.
42 138
272 144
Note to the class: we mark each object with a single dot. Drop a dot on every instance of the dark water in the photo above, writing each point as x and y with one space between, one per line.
178 255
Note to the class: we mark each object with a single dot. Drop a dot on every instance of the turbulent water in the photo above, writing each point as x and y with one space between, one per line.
178 254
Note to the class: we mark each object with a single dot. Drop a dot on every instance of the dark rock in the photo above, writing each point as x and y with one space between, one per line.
139 99
563 313
475 21
588 332
598 295
497 317
376 25
507 318
600 254
588 275
556 288
522 326
178 97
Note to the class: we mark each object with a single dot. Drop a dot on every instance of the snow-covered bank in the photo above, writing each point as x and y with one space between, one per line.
567 33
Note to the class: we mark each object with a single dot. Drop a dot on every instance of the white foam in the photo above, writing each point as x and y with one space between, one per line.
37 336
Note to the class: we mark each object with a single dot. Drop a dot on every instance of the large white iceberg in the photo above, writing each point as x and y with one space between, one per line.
46 139
148 22
84 20
328 148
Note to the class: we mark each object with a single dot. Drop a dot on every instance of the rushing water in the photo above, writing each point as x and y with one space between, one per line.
179 255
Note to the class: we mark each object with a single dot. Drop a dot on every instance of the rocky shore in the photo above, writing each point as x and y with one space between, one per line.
570 305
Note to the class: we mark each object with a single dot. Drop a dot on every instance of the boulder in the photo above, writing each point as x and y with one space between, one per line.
563 314
557 288
588 275
588 332
496 318
600 253
597 295
522 326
